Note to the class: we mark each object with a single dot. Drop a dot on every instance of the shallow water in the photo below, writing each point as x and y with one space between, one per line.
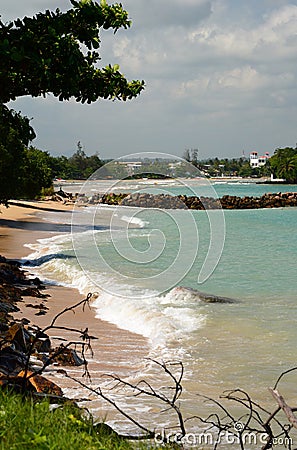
136 269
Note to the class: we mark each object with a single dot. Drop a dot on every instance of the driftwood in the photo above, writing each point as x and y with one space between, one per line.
284 406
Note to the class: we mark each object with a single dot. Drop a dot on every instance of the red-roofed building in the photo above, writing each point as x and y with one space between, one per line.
258 161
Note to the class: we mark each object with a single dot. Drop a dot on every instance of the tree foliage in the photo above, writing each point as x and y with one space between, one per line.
79 166
15 135
191 156
35 172
53 52
44 54
241 167
284 164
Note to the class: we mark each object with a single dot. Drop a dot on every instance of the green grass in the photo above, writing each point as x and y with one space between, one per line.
25 424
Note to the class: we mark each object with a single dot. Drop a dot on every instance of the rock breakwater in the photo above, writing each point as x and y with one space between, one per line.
165 201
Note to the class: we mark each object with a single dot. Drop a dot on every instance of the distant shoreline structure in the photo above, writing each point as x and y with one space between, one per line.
234 179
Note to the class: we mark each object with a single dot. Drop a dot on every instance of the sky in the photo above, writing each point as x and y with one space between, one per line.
221 77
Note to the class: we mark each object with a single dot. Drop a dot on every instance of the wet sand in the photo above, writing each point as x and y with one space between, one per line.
115 351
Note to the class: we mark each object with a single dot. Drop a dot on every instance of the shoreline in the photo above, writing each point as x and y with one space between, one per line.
115 350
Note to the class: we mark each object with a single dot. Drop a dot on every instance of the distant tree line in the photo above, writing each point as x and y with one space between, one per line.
239 167
215 167
79 166
283 164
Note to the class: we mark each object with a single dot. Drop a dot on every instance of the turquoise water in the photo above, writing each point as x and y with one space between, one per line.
136 271
259 257
240 189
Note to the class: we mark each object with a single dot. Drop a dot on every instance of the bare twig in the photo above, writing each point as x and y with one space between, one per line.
284 406
98 391
86 344
145 388
282 375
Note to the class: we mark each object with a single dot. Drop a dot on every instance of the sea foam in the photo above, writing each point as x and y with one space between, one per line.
160 318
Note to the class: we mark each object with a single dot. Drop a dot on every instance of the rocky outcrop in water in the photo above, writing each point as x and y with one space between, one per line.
163 201
201 296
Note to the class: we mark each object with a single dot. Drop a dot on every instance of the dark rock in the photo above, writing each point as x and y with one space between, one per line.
10 273
40 306
11 361
36 281
17 335
3 327
209 298
41 384
33 292
25 321
43 345
13 383
41 340
62 193
40 313
163 201
4 317
66 356
8 307
202 296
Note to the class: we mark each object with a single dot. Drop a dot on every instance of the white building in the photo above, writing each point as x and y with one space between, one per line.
258 161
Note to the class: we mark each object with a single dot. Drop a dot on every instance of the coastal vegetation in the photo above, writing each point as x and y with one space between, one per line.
79 166
57 53
233 167
35 425
284 164
230 167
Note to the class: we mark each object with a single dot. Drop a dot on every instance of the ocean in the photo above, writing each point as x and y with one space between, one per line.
146 265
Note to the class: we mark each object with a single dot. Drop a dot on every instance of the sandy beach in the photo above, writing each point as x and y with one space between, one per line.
115 350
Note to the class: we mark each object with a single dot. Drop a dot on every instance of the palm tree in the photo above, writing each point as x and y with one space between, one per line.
284 164
287 169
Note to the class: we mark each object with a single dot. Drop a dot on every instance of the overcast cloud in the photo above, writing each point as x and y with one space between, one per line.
221 76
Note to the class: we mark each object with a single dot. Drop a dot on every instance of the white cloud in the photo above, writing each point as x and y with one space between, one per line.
241 78
151 14
220 72
245 80
277 29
